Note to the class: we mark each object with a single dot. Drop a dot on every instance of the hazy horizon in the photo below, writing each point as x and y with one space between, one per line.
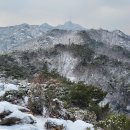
110 15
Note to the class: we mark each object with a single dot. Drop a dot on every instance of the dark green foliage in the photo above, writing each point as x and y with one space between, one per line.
101 112
35 106
53 74
47 74
16 71
82 51
115 122
76 94
11 68
72 94
82 95
13 95
87 97
36 99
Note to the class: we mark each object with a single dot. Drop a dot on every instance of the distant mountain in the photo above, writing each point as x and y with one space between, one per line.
70 26
46 27
15 35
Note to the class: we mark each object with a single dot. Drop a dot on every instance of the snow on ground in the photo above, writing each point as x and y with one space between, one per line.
16 112
7 87
10 111
40 122
19 127
6 106
38 126
69 125
26 100
79 125
26 118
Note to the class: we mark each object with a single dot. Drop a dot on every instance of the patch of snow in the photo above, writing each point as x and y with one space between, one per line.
40 122
79 125
7 87
104 102
69 125
19 127
26 118
65 64
16 112
128 108
26 100
2 93
57 121
6 106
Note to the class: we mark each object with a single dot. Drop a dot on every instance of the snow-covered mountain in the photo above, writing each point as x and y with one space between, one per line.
14 35
98 57
70 26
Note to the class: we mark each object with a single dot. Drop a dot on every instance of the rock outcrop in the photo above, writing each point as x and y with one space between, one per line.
11 114
60 124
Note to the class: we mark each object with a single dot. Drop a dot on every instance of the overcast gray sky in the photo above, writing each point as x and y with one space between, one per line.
107 14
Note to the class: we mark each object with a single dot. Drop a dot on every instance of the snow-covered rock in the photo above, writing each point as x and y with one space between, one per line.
20 127
60 124
56 124
13 114
79 125
7 87
16 94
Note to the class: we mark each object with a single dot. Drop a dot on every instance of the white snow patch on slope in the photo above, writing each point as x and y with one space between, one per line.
64 64
7 87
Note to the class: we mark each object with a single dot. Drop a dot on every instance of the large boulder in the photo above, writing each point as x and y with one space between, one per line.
55 124
12 93
11 114
60 124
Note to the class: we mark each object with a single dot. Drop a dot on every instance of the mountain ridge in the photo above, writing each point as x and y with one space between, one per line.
97 57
